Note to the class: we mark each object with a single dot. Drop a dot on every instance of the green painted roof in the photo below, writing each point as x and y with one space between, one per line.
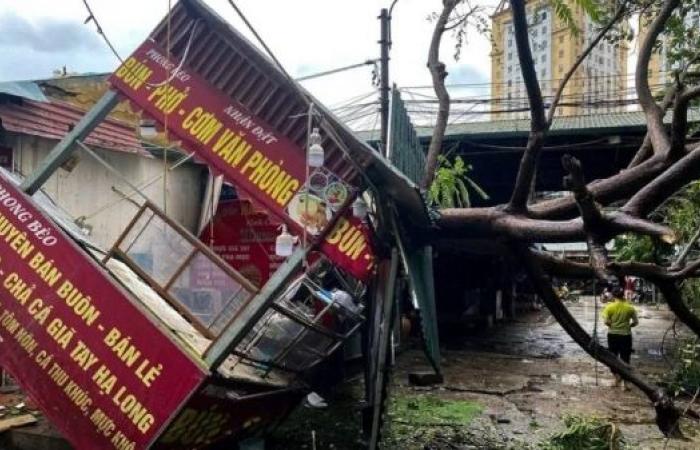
520 127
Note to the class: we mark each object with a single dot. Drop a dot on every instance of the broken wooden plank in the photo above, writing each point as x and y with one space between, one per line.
16 421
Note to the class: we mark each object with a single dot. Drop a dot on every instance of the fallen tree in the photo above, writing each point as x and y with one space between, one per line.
664 164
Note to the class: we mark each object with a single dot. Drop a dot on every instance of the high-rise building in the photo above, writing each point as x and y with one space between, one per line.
660 65
598 86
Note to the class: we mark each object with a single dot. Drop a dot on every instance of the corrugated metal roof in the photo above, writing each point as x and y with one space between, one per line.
23 89
229 62
518 127
54 119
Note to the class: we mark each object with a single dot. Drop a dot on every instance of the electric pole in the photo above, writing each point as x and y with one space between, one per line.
385 45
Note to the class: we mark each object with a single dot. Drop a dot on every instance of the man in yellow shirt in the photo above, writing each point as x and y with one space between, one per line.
620 317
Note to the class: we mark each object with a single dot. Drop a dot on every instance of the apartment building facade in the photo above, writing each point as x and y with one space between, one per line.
599 85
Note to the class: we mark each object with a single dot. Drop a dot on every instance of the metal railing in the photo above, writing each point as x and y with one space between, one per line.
302 327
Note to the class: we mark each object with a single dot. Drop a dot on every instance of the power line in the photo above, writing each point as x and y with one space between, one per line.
489 84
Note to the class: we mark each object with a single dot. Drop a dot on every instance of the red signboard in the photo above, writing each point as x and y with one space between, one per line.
101 371
266 165
244 238
218 416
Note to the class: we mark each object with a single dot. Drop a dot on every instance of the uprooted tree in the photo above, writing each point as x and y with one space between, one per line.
600 210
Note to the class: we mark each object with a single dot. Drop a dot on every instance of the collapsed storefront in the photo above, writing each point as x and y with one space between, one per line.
157 342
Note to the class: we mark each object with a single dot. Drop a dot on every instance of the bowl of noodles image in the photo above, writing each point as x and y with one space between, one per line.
310 211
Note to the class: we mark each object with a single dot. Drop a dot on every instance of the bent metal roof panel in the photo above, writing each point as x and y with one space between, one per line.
237 68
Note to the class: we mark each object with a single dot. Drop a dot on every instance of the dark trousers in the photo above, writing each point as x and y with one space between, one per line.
620 346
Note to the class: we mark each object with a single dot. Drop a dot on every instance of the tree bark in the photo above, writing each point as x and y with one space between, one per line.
438 75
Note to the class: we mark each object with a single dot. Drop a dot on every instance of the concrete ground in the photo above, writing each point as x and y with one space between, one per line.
524 375
528 374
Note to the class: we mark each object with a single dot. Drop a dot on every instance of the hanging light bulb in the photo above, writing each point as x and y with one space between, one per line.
284 244
316 155
359 208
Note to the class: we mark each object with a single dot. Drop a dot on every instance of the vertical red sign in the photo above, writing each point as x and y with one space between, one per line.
101 371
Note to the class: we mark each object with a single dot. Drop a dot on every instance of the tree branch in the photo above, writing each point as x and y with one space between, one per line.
679 127
601 34
498 222
667 183
593 220
538 122
606 191
438 74
646 149
565 268
654 115
680 261
667 415
675 302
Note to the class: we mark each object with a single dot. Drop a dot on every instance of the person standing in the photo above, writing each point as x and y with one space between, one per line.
620 317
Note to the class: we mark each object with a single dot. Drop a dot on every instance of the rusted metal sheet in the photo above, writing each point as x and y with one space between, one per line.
53 120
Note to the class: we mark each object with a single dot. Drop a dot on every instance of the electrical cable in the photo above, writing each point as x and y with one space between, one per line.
100 31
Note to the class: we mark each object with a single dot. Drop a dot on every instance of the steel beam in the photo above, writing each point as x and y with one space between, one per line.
63 150
381 351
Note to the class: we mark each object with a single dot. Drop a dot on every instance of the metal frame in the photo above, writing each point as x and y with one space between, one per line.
381 350
163 289
63 150
249 315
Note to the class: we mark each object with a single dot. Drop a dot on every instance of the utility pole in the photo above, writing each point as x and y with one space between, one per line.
385 45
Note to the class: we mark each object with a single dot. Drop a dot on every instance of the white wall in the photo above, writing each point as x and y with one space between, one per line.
89 189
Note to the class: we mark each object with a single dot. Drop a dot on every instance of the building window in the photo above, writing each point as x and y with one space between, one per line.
543 58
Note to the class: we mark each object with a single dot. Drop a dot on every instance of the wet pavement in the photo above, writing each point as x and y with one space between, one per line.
528 374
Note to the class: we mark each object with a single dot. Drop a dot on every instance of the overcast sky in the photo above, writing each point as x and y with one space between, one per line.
308 36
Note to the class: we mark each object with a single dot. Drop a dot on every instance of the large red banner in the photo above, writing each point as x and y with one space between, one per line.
266 165
101 371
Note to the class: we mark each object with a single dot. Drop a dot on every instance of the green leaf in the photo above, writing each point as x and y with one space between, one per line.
451 186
